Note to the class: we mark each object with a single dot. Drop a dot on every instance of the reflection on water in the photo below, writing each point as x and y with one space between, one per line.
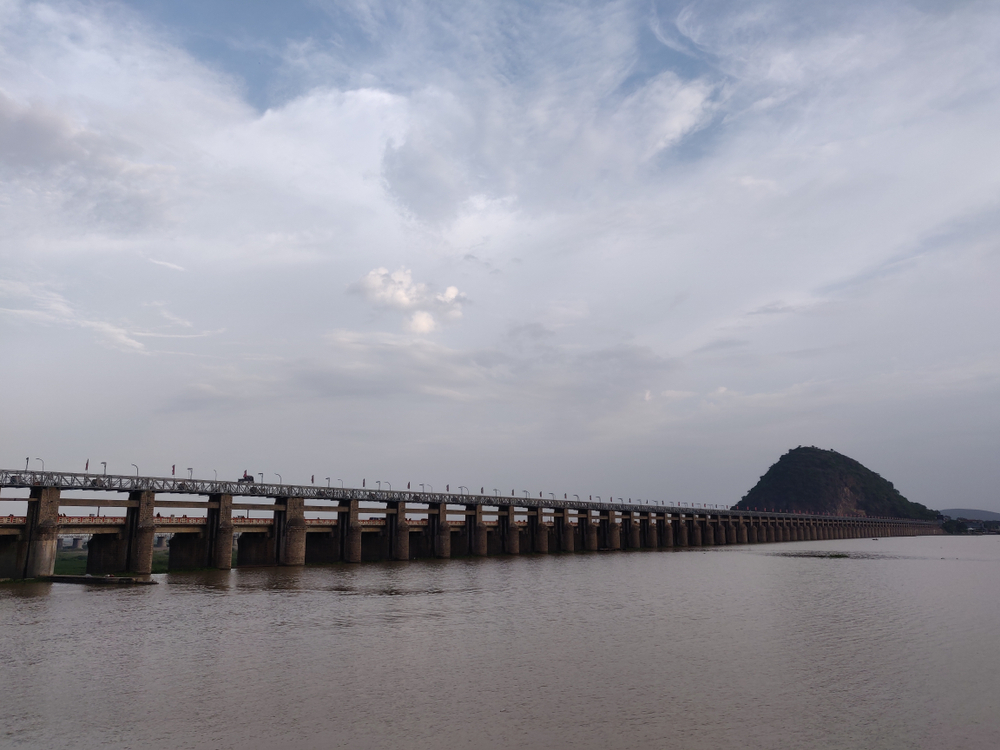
835 644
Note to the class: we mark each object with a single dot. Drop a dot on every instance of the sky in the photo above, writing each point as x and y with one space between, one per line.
627 249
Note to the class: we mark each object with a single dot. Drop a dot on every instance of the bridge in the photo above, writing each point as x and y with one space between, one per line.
355 525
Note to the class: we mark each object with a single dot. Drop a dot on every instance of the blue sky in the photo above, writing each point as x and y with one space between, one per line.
631 248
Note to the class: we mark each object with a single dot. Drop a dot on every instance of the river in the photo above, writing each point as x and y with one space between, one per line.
833 644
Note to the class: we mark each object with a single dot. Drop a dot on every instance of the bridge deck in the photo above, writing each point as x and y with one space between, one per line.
341 495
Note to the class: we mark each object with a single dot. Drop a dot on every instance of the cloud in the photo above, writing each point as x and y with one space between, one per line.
800 200
398 291
167 264
421 322
48 307
50 162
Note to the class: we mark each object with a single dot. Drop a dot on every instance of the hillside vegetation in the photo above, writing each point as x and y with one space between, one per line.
813 480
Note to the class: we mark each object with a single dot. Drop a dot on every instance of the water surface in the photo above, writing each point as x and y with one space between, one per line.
831 644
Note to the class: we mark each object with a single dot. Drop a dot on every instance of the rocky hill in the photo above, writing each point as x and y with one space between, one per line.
813 480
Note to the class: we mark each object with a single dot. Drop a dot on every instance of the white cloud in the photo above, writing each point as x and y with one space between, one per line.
421 322
397 290
801 204
48 307
167 264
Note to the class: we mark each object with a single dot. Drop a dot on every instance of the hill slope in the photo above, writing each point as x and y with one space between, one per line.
813 480
972 515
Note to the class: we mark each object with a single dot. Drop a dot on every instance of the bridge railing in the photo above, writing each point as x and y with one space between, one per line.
174 485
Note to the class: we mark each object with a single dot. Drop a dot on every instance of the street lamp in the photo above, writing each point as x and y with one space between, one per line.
341 483
389 485
43 464
525 492
105 465
136 469
577 498
379 484
422 487
190 473
553 496
216 475
278 476
463 487
261 475
328 481
496 492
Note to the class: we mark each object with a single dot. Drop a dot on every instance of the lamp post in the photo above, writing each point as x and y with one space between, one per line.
190 473
553 496
389 485
496 492
463 487
328 481
136 469
525 492
377 482
279 477
261 475
105 465
577 498
216 475
341 483
43 464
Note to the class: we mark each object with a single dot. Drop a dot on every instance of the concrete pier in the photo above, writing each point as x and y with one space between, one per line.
652 532
682 532
140 529
42 521
481 546
567 532
614 531
708 533
591 540
398 530
539 531
290 529
352 529
511 532
220 529
695 539
632 525
441 530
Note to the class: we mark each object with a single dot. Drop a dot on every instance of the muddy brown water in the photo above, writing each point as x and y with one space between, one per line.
835 644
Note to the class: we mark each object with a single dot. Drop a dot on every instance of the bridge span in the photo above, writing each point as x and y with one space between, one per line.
355 525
